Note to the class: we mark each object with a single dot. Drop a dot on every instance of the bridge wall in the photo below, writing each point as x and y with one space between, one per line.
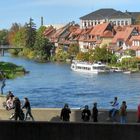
67 131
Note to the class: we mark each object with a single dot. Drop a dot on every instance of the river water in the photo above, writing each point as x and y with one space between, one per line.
53 84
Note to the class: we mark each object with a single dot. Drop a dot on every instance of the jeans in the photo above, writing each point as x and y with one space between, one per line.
112 112
123 119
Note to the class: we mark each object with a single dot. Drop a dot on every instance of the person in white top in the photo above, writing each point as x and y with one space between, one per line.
115 108
9 103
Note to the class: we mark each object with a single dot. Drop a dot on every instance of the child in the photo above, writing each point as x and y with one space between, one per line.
123 112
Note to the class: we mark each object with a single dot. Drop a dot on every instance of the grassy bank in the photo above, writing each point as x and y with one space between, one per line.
11 70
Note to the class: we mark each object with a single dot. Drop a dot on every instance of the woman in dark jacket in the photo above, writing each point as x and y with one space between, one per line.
28 108
65 113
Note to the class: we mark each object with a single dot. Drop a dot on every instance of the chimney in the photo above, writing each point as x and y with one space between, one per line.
42 21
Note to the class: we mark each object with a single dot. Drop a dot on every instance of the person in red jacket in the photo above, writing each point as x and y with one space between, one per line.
138 113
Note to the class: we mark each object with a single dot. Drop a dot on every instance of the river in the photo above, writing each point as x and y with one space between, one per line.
53 84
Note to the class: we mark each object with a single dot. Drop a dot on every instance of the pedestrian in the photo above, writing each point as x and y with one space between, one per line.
123 112
138 113
3 82
18 114
114 109
10 94
9 103
28 108
95 113
65 113
86 113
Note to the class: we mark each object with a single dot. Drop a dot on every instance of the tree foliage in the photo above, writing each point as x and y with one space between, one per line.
102 54
73 49
30 34
42 44
12 32
4 37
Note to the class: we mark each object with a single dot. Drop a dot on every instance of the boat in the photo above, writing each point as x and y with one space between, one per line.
116 69
89 67
127 72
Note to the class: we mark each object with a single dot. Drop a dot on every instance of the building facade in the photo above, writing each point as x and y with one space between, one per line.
113 16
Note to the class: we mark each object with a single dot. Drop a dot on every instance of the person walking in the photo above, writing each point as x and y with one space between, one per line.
65 113
123 112
95 113
3 81
86 113
27 106
18 112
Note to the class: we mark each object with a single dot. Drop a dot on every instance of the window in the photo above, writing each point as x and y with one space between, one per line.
120 43
122 22
85 24
126 22
118 23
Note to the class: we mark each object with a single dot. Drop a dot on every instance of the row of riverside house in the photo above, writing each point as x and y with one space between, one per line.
118 38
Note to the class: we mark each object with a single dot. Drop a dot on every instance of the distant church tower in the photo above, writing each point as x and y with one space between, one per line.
42 21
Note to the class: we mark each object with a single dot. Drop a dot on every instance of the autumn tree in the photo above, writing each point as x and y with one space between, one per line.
12 32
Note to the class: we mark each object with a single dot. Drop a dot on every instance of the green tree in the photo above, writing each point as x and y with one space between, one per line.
4 37
42 45
102 54
19 39
73 49
130 52
61 55
30 34
83 56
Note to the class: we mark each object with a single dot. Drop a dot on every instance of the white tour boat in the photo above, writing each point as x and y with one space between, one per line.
89 67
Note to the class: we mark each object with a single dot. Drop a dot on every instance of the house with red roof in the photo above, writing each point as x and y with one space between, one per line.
135 45
49 32
122 37
98 35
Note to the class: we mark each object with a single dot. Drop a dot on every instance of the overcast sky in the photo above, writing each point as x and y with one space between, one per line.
56 11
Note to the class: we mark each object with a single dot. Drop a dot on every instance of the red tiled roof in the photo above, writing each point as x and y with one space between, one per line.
107 33
49 30
123 35
99 29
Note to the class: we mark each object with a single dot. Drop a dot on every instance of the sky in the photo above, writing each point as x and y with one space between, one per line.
56 11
